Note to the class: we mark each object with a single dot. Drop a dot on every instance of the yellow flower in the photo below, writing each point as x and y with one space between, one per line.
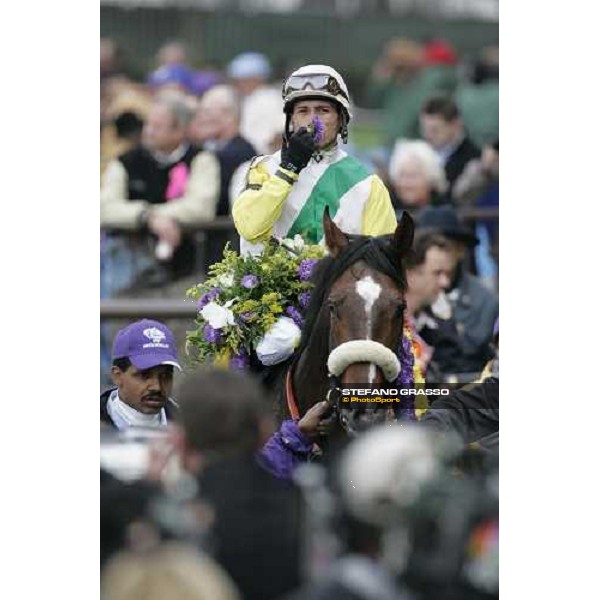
270 298
222 359
275 308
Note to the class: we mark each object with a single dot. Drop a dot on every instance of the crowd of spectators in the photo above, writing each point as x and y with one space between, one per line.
176 146
203 494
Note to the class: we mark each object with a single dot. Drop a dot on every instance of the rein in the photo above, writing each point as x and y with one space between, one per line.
332 397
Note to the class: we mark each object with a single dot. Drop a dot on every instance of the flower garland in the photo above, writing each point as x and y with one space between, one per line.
245 296
409 376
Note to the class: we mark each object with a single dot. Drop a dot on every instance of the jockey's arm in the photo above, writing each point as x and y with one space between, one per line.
257 209
379 217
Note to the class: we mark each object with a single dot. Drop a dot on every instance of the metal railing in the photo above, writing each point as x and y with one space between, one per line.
138 308
468 213
143 308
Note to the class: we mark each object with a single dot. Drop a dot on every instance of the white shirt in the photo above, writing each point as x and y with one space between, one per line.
125 416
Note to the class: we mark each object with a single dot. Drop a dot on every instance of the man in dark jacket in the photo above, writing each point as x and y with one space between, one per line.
472 412
224 421
144 356
216 126
463 319
148 196
443 128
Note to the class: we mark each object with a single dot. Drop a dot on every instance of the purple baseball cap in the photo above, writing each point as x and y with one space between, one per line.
146 344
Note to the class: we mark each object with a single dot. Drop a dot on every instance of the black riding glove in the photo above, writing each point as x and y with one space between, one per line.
297 152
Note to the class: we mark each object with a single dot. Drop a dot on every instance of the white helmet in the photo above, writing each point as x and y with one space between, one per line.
316 81
383 473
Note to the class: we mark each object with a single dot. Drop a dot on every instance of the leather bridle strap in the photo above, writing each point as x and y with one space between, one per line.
289 394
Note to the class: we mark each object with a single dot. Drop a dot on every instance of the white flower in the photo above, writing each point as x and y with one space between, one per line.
217 316
299 242
225 281
279 342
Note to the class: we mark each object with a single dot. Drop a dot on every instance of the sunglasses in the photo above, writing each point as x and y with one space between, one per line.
318 83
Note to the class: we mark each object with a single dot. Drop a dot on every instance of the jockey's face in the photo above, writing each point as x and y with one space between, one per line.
146 391
305 110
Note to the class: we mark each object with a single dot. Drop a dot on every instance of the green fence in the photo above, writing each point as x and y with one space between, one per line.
289 40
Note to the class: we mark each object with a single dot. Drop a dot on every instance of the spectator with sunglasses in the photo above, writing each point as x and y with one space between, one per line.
286 193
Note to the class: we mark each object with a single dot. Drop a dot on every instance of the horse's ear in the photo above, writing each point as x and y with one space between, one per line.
334 237
404 235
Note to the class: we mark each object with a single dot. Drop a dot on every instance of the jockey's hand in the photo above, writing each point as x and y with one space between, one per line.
310 423
297 152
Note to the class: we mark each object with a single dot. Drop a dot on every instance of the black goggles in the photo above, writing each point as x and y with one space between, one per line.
317 83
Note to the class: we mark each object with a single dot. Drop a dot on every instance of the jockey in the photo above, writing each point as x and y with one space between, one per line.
286 193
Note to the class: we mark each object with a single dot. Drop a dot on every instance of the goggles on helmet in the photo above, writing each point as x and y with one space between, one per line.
317 83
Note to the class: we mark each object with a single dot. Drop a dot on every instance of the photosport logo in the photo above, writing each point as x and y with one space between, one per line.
389 395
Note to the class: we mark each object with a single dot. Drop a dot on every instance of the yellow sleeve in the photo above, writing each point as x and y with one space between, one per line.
378 217
257 209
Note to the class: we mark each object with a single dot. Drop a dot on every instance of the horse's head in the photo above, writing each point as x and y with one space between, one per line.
364 304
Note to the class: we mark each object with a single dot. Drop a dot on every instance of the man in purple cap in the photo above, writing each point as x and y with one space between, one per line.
144 355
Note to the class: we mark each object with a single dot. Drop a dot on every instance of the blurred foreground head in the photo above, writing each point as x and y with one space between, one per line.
405 499
222 414
170 571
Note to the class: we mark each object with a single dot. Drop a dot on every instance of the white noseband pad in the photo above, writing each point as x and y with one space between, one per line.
368 351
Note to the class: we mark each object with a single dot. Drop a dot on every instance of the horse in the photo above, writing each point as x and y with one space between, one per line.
353 324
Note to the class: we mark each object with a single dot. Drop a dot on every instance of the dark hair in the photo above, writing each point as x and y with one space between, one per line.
441 106
424 240
121 363
220 411
128 124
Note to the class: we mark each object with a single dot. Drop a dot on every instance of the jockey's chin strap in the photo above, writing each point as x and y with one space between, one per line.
339 360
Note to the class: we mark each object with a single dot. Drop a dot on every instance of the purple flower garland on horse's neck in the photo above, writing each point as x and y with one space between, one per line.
406 378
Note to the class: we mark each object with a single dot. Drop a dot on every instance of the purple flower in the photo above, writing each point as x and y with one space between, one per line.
239 361
295 314
208 297
305 268
406 379
304 299
247 316
319 130
405 354
249 281
212 335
